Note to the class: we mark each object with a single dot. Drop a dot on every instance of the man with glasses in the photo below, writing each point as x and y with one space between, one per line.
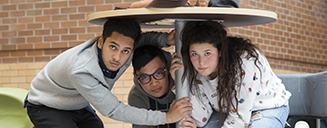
152 82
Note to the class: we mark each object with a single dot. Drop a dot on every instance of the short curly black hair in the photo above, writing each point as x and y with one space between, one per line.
127 27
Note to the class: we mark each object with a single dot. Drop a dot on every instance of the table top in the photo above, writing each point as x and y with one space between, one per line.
230 17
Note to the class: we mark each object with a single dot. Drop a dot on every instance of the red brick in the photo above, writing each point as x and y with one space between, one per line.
90 2
248 32
59 31
68 37
42 5
4 41
34 39
86 9
9 7
9 60
9 20
25 59
17 13
77 17
2 2
4 54
25 6
34 52
42 45
51 11
59 4
51 38
34 0
59 45
77 3
51 52
25 20
131 0
85 36
68 10
77 30
94 29
34 26
18 40
42 18
113 1
9 47
17 1
33 12
4 27
25 46
4 14
42 32
59 17
69 24
51 25
103 8
25 33
42 59
18 53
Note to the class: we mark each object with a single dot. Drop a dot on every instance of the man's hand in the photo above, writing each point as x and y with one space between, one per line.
170 39
187 122
178 110
175 65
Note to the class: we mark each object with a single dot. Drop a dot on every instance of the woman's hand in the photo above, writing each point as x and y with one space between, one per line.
187 122
178 110
174 65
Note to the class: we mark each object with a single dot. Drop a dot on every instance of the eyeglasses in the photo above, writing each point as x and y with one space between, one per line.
159 75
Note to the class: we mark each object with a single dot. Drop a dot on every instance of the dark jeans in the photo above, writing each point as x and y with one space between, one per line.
45 117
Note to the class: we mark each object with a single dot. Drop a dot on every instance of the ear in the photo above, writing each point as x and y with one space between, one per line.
100 42
135 75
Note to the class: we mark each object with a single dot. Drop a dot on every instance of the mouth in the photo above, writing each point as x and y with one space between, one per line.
202 68
157 90
114 64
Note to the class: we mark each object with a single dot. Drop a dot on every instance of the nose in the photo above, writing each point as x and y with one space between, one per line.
154 82
201 60
116 55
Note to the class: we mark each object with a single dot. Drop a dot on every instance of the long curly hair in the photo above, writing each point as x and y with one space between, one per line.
230 61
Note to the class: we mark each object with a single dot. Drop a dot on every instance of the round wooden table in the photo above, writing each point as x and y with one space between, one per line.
231 17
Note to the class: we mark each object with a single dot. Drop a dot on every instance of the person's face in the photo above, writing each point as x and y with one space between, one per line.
204 58
116 50
155 87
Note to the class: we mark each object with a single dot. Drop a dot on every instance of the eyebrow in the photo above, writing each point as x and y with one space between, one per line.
119 45
207 50
144 74
203 51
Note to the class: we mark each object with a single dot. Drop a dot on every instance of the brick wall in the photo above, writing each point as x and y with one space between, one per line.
297 41
32 32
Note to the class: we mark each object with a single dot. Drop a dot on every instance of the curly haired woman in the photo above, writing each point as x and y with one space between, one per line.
229 76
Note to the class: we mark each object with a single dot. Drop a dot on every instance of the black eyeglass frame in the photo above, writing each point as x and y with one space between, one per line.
163 71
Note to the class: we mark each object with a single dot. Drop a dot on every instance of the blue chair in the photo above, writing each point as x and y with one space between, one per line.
309 96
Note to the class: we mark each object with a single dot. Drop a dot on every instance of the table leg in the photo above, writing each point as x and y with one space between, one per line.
180 90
